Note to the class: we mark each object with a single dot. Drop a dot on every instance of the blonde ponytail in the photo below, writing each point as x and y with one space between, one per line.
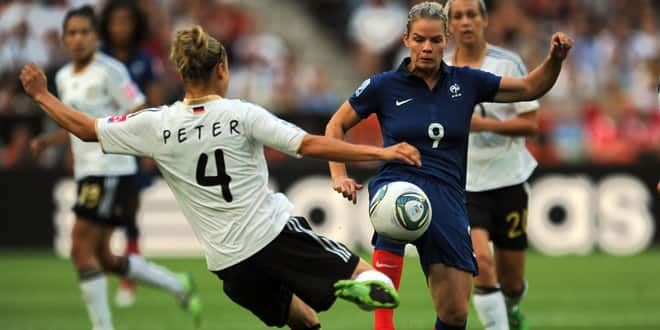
195 53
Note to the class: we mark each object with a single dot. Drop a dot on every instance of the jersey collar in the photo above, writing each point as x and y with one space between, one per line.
403 69
201 100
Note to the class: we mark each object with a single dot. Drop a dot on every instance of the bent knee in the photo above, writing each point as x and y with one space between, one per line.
113 264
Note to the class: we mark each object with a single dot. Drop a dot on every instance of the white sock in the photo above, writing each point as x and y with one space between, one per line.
491 310
95 295
371 275
154 275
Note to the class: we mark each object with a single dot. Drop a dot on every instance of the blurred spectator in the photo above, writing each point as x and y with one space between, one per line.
607 92
287 85
259 57
17 154
317 97
376 29
20 47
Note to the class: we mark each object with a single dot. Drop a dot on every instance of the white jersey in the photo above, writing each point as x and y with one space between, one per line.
103 88
210 152
495 160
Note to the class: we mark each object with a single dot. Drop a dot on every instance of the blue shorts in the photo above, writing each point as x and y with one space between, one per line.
447 241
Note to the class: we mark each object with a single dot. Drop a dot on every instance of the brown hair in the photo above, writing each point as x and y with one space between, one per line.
481 3
427 9
195 53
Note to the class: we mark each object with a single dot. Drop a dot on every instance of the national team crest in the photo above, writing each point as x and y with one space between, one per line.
455 91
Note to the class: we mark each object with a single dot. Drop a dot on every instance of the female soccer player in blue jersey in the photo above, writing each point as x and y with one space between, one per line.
429 104
270 262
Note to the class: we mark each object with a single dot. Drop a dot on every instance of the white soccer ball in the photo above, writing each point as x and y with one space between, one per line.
400 211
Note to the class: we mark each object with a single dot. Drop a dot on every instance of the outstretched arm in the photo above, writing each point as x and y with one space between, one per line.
33 80
525 124
540 80
324 147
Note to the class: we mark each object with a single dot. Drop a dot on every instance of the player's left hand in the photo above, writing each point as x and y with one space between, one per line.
347 187
33 80
560 44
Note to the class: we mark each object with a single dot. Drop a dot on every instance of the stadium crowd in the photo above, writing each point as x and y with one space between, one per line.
604 109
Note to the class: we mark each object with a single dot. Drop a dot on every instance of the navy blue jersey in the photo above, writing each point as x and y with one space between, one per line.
436 121
140 67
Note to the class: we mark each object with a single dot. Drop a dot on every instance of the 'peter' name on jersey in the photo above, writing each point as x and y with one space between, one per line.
215 129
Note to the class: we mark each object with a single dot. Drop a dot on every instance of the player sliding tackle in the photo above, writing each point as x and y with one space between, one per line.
270 262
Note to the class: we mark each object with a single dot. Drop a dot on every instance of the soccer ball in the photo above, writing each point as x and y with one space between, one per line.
400 211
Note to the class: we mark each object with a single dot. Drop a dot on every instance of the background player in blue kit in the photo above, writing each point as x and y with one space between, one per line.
429 105
123 28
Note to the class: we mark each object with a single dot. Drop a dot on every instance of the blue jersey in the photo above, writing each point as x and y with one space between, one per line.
436 121
140 67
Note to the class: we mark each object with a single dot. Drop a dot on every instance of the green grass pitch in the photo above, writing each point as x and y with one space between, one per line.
39 291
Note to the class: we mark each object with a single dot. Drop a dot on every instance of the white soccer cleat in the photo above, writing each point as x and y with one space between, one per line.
125 297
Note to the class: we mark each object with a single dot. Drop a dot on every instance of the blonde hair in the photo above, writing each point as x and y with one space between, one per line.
195 53
427 9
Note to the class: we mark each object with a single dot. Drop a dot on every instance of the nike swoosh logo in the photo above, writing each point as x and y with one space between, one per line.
400 103
381 265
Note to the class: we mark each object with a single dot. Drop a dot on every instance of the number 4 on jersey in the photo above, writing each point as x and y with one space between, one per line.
221 179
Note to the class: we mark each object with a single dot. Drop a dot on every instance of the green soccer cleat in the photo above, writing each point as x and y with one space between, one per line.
191 303
368 295
517 320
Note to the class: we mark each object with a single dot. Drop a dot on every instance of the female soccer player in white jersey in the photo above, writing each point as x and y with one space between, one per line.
498 168
98 86
430 105
210 151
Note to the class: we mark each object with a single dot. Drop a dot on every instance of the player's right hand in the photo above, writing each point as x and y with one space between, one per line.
37 145
347 187
33 80
403 152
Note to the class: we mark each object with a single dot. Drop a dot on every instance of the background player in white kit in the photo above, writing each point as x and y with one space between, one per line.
210 152
98 86
498 168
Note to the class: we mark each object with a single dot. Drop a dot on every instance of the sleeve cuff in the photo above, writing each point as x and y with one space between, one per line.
298 145
98 134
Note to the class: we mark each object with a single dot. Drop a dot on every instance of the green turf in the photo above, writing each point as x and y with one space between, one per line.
38 291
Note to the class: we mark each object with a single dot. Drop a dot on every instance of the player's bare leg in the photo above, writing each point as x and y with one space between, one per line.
511 272
142 271
126 291
86 238
450 291
301 316
487 299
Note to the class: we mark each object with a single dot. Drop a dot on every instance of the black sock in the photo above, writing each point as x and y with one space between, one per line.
439 325
485 289
89 273
122 267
